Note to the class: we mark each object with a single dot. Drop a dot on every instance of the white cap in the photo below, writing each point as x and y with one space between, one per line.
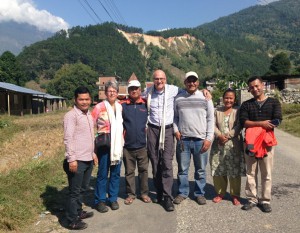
191 73
134 83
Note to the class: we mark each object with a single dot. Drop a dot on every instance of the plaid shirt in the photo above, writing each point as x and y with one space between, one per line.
250 110
78 135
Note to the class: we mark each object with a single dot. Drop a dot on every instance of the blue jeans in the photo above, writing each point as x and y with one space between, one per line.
184 149
78 184
102 177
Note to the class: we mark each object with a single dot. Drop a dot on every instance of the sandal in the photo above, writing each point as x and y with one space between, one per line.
235 200
218 198
128 200
146 198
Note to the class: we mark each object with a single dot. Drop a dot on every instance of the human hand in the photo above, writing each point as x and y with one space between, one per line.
95 158
178 135
222 139
267 125
205 146
73 166
207 94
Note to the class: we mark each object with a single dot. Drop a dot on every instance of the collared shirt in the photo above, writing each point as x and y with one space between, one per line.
157 105
78 135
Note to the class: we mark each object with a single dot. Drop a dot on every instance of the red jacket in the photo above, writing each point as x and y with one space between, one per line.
257 140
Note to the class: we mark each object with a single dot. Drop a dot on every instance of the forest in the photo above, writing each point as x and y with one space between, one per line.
259 40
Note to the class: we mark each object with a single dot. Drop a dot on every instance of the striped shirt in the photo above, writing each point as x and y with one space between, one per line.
250 110
194 115
78 135
157 105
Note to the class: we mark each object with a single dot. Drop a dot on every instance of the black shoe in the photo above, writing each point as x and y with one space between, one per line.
248 206
101 207
77 225
158 199
85 214
266 207
168 204
114 205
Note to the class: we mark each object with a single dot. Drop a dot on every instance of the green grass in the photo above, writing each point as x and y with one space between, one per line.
30 190
7 128
291 119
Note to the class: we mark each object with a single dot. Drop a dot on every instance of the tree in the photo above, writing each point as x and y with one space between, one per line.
10 70
280 64
69 77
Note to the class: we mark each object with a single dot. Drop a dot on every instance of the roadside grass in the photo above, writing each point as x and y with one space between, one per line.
25 192
7 128
291 119
31 174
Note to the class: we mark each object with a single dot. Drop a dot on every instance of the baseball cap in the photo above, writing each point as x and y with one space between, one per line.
134 83
191 73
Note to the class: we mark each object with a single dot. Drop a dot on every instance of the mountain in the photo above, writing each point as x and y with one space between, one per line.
274 27
14 36
239 45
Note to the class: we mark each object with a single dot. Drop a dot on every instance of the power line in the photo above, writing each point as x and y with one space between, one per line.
106 10
117 11
87 11
87 3
109 6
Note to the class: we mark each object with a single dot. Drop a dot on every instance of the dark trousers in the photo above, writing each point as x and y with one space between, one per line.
131 158
78 184
104 168
161 160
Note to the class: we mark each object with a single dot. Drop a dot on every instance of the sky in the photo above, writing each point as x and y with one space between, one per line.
54 15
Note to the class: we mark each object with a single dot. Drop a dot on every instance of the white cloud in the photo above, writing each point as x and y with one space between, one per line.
266 2
24 11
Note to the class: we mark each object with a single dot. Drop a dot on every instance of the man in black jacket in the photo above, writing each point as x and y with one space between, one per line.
134 121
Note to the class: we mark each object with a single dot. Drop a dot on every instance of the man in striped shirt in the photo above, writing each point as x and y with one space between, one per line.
194 130
78 165
259 112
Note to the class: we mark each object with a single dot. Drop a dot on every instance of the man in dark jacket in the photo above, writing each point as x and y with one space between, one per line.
134 121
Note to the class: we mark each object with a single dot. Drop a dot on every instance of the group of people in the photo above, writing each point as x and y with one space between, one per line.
143 127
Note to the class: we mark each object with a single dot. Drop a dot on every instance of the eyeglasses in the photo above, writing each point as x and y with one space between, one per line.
191 81
159 79
112 92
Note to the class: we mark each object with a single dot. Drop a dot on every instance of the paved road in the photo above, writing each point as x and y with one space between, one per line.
223 217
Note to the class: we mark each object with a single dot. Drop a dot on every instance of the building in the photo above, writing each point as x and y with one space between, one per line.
16 100
281 82
122 85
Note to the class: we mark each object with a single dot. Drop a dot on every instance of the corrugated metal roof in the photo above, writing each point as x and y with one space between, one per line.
13 87
47 96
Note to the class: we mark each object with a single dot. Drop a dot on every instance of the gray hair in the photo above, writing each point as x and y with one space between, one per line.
112 84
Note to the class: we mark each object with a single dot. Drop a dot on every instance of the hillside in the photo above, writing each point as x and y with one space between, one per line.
239 45
274 27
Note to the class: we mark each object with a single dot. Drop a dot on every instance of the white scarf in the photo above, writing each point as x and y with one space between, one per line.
116 132
162 134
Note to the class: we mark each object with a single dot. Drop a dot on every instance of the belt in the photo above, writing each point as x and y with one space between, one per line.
158 127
